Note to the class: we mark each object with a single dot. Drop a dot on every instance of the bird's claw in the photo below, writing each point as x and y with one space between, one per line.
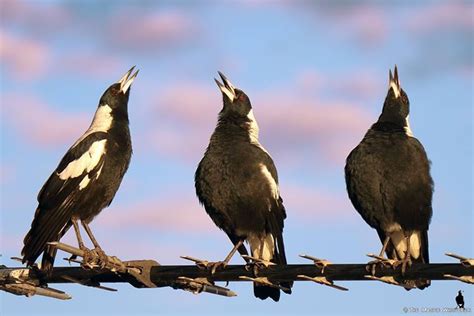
256 264
207 265
379 260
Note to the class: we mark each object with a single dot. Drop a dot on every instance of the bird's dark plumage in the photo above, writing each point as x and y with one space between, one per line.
389 183
237 183
87 177
460 300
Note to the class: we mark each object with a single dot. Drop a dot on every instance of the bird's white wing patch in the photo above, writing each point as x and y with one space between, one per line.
271 181
86 162
84 182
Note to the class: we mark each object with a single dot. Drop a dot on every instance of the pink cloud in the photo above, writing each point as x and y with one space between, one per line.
90 64
442 16
24 58
304 203
292 121
170 213
137 31
38 123
38 17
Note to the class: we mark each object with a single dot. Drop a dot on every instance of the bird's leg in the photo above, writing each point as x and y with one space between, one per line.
213 266
102 256
380 259
257 262
87 258
407 259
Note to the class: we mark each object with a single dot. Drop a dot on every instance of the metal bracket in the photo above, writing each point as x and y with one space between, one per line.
465 278
323 281
388 280
137 273
320 263
467 262
199 285
15 282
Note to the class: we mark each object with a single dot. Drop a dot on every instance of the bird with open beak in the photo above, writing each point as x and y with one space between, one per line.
389 183
86 179
237 182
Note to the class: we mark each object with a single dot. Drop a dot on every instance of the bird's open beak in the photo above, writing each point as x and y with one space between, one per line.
127 80
227 87
394 82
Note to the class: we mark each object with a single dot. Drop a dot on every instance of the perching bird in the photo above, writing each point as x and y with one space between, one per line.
237 183
460 300
86 179
389 183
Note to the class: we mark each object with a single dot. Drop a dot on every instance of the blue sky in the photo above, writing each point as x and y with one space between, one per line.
317 75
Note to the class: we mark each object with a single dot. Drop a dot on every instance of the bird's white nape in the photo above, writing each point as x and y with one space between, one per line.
407 128
101 122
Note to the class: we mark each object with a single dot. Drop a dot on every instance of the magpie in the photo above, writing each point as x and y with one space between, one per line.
389 183
237 183
86 179
460 300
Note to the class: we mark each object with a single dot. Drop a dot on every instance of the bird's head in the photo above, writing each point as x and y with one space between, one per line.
236 102
396 106
116 96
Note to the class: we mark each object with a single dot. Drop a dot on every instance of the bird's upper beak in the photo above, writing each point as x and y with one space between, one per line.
394 82
127 80
227 88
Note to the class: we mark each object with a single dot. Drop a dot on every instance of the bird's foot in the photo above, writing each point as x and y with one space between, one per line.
404 263
101 258
379 260
208 265
256 264
89 258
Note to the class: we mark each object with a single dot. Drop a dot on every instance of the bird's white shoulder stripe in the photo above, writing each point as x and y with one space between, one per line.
86 162
271 181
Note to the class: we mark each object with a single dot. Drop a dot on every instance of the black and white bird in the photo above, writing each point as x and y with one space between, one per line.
460 300
86 179
389 183
237 183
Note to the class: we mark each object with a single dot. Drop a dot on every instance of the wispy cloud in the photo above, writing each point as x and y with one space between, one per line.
146 33
295 120
38 123
24 58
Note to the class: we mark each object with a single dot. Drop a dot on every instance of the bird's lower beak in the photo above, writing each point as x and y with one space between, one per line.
227 88
127 80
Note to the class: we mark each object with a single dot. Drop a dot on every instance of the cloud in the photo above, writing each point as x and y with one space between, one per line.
171 213
452 15
90 64
38 18
24 58
38 123
145 33
294 122
363 22
441 35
